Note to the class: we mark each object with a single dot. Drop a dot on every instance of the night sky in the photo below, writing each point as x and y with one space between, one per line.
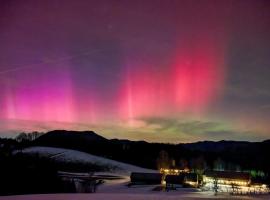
155 70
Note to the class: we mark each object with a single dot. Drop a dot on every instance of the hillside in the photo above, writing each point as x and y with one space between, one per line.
72 156
247 155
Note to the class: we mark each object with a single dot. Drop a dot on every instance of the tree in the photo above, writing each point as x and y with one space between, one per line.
183 164
219 164
21 137
215 187
163 160
198 165
28 136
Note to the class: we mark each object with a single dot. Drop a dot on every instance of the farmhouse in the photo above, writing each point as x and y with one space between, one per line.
232 182
227 178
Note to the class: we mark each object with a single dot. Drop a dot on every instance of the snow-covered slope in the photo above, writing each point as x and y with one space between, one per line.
117 189
68 155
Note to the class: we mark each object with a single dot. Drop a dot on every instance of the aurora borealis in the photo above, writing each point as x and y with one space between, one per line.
166 71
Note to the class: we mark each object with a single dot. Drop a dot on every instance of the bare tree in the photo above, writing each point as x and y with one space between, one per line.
215 187
183 164
198 165
219 164
28 136
163 160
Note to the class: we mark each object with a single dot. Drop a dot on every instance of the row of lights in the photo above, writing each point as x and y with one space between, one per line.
172 171
227 182
242 188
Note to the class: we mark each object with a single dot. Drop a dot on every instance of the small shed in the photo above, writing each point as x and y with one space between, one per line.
175 179
145 178
192 179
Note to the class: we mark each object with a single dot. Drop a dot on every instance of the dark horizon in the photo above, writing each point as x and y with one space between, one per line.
126 139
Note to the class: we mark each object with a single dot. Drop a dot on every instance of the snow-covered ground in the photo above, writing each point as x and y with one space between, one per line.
68 155
117 189
113 196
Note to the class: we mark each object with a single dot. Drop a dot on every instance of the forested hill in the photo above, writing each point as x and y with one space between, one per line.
223 154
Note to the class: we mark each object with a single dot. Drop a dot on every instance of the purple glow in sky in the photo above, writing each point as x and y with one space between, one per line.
170 71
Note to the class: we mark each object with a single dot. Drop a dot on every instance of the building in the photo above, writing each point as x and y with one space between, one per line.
82 182
145 178
172 181
232 182
227 178
183 180
174 171
191 179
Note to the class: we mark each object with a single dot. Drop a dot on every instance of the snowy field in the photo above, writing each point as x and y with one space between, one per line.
113 196
68 155
117 189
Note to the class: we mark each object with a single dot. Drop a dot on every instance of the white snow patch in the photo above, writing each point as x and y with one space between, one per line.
158 196
68 155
